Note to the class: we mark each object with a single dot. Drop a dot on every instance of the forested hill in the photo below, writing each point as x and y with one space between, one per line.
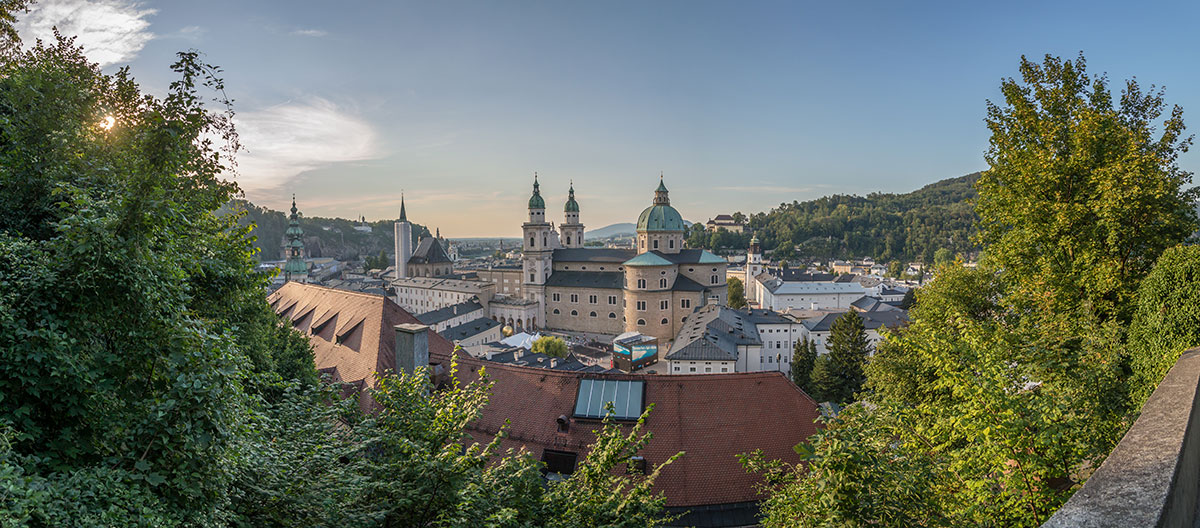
905 227
323 237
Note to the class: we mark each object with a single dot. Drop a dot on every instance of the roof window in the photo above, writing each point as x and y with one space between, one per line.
626 396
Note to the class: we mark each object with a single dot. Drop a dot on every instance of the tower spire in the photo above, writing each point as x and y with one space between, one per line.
403 215
660 194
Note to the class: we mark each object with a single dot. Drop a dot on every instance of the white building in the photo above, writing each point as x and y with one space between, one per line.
717 339
818 328
780 295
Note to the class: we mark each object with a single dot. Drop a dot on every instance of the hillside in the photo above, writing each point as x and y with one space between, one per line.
885 226
323 237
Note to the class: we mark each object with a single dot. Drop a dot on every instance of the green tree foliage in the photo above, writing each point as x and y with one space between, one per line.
146 382
943 256
1011 382
910 298
1167 318
324 237
1083 192
377 262
804 356
737 293
551 346
823 382
848 348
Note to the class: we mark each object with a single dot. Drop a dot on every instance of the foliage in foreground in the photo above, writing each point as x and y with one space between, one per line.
145 380
1014 380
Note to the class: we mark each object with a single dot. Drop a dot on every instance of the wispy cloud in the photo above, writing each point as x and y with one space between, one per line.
110 31
189 33
310 33
286 140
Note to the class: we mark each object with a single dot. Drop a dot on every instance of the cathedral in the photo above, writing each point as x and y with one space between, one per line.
649 289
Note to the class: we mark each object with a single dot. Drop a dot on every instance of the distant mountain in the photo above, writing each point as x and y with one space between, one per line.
622 229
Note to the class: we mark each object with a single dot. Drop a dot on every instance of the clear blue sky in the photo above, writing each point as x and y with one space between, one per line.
742 104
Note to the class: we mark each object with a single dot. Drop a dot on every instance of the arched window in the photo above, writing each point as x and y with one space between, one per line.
641 322
574 313
531 242
714 279
664 321
556 311
662 283
593 314
568 240
612 315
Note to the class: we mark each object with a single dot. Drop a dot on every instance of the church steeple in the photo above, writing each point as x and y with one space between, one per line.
572 206
403 215
660 194
536 201
295 268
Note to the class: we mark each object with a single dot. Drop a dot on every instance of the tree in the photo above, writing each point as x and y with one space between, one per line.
1083 192
943 256
737 293
804 355
895 269
910 298
824 383
848 349
1167 319
377 262
551 346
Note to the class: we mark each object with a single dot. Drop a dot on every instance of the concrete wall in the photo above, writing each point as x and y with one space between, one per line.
1152 477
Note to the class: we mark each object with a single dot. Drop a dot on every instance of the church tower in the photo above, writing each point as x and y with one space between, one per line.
571 230
295 268
538 250
754 267
404 247
659 227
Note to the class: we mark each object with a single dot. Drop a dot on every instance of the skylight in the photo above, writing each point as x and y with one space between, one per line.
626 397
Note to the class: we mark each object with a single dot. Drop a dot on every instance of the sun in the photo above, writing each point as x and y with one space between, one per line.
108 122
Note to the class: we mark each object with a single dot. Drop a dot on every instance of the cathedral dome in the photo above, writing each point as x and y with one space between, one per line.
536 201
660 218
572 205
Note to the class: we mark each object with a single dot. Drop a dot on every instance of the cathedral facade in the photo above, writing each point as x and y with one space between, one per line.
649 289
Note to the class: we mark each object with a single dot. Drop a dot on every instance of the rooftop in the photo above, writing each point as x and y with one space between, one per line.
469 329
449 312
586 279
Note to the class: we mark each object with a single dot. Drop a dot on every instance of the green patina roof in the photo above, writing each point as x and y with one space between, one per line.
660 218
295 266
536 201
648 259
572 205
709 258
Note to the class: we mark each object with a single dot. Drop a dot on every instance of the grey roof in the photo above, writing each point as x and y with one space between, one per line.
586 279
799 275
871 304
683 283
767 317
713 333
871 320
692 256
429 251
449 312
529 359
469 329
612 255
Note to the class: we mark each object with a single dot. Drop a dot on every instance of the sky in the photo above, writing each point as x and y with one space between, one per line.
740 105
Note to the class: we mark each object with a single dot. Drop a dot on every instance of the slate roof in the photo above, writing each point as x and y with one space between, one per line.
429 251
614 255
694 256
649 258
713 333
449 312
779 287
767 317
871 304
469 329
799 275
871 320
353 334
710 417
682 283
586 279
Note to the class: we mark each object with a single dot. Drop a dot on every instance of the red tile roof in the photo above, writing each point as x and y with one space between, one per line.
711 417
353 334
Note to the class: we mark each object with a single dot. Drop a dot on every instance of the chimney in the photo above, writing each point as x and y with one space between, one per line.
412 347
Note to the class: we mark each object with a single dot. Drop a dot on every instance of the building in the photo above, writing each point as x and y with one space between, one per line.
874 322
475 332
780 295
720 339
453 315
428 259
725 222
295 268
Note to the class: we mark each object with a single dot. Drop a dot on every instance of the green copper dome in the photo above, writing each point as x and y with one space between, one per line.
536 201
660 216
572 205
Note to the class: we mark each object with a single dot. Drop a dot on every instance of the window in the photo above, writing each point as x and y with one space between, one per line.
671 243
685 303
574 313
625 395
656 244
612 299
592 299
556 311
713 280
530 277
707 369
724 369
531 242
568 240
641 322
574 297
593 314
556 297
693 369
664 321
612 315
561 462
641 306
691 269
663 305
662 283
641 283
643 243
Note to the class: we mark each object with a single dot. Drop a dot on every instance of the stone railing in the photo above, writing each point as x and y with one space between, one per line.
1152 477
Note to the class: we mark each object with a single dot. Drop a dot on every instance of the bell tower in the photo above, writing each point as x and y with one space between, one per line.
537 261
571 230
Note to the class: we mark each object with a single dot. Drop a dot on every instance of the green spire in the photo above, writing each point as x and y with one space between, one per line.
536 201
403 215
660 194
295 265
572 205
